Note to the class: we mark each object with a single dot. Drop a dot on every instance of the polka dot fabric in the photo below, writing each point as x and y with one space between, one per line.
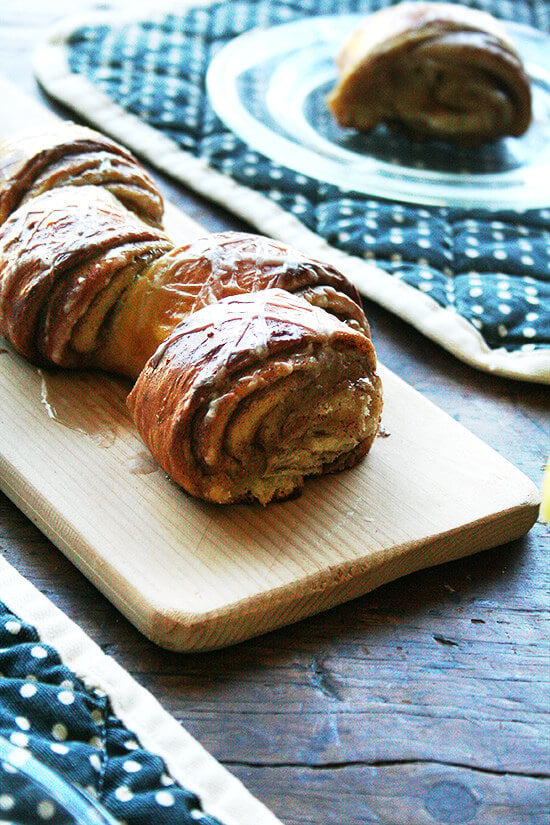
492 268
489 268
46 709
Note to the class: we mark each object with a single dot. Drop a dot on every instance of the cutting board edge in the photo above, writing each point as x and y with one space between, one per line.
36 507
173 629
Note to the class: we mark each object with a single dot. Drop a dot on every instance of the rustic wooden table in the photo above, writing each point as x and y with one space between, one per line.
423 702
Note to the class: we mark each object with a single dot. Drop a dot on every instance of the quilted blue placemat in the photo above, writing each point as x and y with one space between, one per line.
477 281
72 729
71 707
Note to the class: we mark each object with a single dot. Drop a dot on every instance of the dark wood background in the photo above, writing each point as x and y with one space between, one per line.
424 702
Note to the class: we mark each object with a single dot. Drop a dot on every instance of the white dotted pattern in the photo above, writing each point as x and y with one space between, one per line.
136 779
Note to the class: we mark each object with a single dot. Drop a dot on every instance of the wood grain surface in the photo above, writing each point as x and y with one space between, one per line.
425 701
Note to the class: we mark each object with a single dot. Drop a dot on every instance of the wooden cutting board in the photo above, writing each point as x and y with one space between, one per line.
191 575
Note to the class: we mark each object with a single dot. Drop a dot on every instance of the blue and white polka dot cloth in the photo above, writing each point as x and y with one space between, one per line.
46 709
488 270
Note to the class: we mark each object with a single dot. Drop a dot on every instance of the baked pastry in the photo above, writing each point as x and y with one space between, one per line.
275 344
85 283
433 70
71 155
254 393
66 258
210 268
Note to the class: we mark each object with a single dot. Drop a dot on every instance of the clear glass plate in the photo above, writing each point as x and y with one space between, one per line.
269 87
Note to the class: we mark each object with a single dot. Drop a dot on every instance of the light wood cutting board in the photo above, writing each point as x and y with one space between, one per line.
191 575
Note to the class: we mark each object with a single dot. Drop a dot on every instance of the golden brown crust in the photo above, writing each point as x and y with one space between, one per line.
72 155
218 265
59 253
254 393
432 69
227 263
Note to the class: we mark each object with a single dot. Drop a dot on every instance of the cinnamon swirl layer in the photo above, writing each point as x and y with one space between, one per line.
254 393
66 257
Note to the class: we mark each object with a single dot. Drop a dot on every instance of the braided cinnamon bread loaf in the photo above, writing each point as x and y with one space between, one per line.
254 363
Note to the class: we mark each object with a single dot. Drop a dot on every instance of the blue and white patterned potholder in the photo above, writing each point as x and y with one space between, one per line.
74 709
477 281
47 710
